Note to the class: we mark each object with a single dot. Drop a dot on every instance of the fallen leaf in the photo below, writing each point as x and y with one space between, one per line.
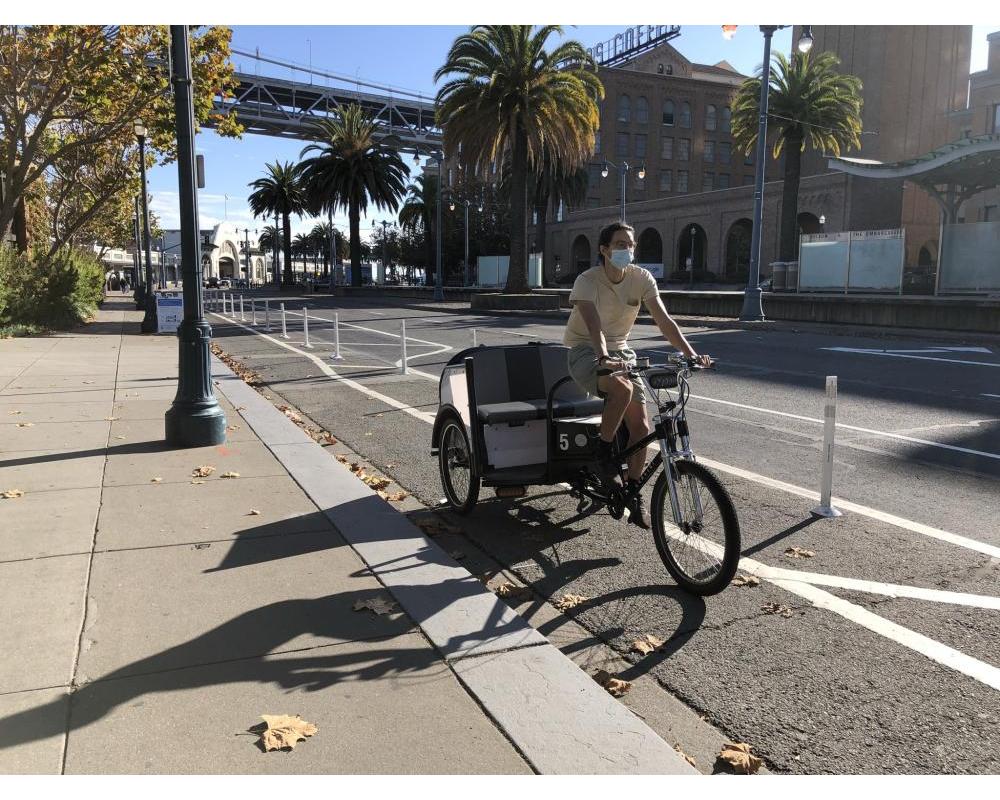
203 471
647 644
355 466
458 555
328 438
570 601
254 512
799 552
111 419
379 416
12 494
87 383
398 497
119 437
241 408
685 756
433 526
197 483
156 480
615 686
746 580
233 428
14 413
230 475
341 459
284 732
510 591
739 757
369 433
389 466
378 484
26 424
776 608
377 604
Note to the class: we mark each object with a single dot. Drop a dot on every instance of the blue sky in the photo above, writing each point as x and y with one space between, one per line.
403 57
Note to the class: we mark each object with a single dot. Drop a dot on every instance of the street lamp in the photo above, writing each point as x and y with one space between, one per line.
246 248
753 311
466 203
623 170
195 418
694 234
822 223
149 318
438 157
385 224
139 294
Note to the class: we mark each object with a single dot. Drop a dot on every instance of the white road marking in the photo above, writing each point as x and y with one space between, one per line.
940 653
882 434
995 396
904 355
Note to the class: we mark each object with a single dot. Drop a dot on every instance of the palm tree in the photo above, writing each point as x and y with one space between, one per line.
809 103
323 235
511 96
303 245
352 169
280 192
270 239
419 208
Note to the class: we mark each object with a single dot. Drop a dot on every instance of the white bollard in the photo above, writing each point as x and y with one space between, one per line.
475 343
267 315
232 306
253 313
336 338
825 508
284 327
242 317
402 339
305 324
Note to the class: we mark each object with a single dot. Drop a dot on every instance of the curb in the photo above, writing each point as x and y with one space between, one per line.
561 720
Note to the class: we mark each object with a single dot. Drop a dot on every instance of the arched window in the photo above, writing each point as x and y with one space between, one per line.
710 118
668 112
727 119
685 121
641 110
623 108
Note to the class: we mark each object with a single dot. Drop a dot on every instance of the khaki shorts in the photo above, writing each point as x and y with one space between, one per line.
583 366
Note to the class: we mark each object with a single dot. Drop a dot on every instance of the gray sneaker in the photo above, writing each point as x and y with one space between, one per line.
637 509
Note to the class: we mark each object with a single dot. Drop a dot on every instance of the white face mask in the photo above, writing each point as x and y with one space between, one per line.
621 258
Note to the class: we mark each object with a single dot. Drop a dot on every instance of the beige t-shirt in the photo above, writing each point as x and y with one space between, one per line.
617 304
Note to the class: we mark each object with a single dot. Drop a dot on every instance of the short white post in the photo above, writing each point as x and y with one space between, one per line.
253 312
475 343
232 306
402 339
336 338
242 317
267 315
825 508
305 324
284 327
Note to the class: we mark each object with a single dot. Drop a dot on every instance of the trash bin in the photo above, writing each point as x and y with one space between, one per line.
779 273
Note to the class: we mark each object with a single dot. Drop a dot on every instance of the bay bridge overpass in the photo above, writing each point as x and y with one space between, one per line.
286 107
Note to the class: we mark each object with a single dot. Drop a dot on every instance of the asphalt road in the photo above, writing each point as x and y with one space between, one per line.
877 670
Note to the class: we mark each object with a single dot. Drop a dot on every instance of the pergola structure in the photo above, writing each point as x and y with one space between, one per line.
951 174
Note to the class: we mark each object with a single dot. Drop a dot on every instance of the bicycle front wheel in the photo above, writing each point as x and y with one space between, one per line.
701 550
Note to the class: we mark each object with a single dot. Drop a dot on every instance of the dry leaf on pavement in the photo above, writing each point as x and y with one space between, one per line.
776 608
283 731
355 467
647 644
119 437
746 580
378 484
685 756
197 483
509 591
799 552
570 601
26 424
398 497
389 466
111 419
233 428
156 480
433 526
342 459
203 471
230 475
739 757
14 413
12 494
377 604
254 512
615 686
458 555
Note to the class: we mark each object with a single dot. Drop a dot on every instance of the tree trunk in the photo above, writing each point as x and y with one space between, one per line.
355 218
517 271
429 245
788 249
548 279
21 226
287 278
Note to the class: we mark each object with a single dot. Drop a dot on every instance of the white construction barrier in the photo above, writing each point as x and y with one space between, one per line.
336 338
402 340
825 508
284 326
305 325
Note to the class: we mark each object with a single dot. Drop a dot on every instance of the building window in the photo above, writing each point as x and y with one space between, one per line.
748 180
597 142
640 145
621 144
670 69
683 149
641 110
685 121
667 151
710 120
708 181
659 69
709 153
722 182
668 112
725 152
727 119
682 180
666 180
623 108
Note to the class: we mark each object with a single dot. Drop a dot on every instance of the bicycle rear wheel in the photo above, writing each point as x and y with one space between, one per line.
702 553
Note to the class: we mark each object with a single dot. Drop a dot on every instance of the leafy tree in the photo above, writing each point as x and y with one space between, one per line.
281 192
69 96
352 169
512 96
809 104
419 212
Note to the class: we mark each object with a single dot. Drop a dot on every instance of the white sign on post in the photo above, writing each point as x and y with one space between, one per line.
169 312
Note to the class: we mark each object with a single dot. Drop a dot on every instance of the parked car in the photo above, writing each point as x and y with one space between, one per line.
225 283
212 282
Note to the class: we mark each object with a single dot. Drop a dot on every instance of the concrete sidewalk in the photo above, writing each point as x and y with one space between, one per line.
150 617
